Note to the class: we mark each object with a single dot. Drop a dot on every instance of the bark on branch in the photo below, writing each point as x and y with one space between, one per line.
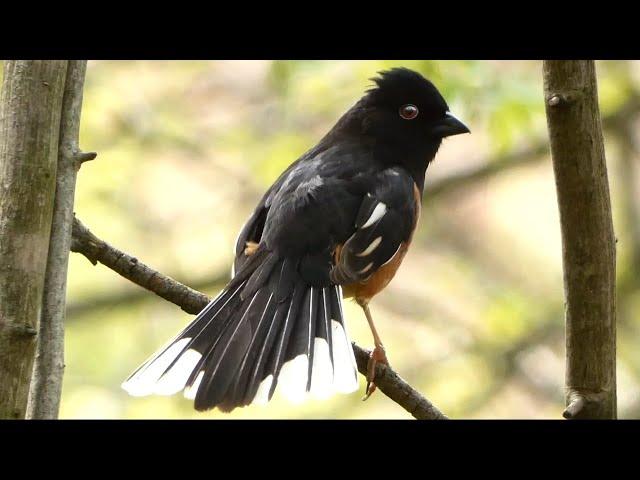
588 243
192 301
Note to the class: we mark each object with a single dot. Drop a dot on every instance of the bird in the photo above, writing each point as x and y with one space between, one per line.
335 225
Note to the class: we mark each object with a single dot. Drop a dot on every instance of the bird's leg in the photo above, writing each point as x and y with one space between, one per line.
378 354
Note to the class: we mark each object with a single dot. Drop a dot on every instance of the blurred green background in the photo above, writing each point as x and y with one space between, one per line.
474 318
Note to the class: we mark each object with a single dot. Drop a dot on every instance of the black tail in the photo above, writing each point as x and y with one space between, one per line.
268 328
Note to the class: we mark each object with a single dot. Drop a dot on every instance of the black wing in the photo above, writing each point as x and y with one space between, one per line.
385 221
339 197
290 194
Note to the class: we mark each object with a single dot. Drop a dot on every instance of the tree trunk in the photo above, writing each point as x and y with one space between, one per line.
46 386
30 106
588 243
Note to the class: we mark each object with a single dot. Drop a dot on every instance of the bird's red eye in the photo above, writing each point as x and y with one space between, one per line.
409 112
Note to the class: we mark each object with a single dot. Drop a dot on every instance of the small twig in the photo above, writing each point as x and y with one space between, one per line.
575 407
562 99
82 157
192 301
21 330
585 404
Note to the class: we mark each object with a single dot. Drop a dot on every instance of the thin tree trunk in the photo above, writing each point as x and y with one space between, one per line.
30 106
588 243
46 385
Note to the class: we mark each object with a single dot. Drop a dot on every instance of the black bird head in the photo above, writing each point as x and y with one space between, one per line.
405 107
404 116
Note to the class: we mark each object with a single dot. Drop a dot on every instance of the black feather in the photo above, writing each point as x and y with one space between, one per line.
279 353
259 276
313 315
260 329
323 326
259 371
224 357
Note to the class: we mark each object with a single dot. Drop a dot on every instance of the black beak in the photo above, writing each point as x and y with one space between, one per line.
449 126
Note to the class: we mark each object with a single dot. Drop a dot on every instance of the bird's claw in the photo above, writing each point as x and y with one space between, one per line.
378 355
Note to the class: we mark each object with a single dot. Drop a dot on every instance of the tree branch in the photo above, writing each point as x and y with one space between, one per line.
46 383
588 242
192 301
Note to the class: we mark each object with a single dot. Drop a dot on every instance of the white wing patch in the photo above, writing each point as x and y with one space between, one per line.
376 215
372 246
365 269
